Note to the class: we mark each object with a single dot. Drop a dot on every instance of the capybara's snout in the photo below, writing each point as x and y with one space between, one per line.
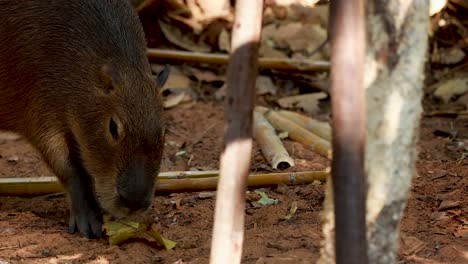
135 185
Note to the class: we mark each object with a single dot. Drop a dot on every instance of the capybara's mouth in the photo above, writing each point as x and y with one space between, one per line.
117 208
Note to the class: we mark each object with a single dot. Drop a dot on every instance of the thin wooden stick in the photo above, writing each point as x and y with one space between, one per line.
37 186
291 65
228 231
347 31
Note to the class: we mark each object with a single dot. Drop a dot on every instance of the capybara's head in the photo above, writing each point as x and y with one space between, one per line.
119 134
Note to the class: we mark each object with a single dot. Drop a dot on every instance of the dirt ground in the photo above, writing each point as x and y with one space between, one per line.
34 230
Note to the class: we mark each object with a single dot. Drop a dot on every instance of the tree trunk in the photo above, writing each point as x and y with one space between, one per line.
395 57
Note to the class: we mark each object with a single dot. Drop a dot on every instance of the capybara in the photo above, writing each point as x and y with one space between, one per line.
76 83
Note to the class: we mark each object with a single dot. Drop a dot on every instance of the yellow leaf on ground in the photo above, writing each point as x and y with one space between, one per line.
448 89
123 230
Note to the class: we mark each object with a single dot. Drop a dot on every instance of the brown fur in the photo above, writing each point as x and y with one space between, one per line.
75 81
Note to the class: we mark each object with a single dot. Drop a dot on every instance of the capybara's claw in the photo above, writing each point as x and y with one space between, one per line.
87 221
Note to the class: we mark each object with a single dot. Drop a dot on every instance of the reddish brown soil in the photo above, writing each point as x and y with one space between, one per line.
34 230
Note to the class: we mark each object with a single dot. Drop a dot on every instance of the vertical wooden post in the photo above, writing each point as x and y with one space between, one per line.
347 31
228 232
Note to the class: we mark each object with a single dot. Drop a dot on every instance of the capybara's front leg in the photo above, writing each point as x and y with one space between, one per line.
85 212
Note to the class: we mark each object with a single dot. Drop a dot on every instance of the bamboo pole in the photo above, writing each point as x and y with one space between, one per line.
202 184
292 65
187 174
270 144
228 230
37 186
348 43
300 134
321 129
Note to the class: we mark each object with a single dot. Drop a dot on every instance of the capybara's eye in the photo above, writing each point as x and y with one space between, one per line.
113 129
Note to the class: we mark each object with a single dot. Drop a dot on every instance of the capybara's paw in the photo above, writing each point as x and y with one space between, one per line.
87 221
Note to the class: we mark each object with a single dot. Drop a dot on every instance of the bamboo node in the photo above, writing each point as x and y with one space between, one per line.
292 177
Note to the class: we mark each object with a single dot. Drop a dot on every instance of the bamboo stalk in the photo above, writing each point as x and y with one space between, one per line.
203 184
321 129
270 144
446 113
34 186
300 134
175 56
37 186
187 174
348 104
228 227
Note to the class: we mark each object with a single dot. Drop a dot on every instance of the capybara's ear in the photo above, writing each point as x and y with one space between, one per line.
108 78
163 75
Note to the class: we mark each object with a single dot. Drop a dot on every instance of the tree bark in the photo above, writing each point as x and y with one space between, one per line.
396 51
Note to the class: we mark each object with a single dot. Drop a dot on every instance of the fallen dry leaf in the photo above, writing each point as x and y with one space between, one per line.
438 175
447 204
123 230
280 12
461 232
439 231
268 52
303 14
455 212
308 38
298 37
213 8
264 85
224 41
410 245
175 99
437 216
175 36
461 220
268 32
286 32
463 101
448 89
448 56
322 12
196 12
176 80
307 102
292 211
207 76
